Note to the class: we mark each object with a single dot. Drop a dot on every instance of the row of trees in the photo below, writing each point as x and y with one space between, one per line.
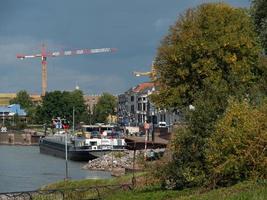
212 59
62 104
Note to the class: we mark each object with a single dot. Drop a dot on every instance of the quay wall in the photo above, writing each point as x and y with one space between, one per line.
14 138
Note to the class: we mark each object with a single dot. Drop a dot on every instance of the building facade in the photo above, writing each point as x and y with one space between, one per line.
135 107
90 101
8 114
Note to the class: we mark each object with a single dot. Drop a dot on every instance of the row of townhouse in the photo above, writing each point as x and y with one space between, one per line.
135 107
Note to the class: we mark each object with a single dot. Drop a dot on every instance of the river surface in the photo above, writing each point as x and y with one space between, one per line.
23 168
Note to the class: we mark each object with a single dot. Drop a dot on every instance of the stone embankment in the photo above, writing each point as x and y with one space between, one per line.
114 160
119 162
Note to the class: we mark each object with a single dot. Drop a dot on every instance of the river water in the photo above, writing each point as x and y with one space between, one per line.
23 168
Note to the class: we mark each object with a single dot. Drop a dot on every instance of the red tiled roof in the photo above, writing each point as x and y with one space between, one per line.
143 86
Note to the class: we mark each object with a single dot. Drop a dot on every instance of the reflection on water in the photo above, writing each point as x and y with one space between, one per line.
24 168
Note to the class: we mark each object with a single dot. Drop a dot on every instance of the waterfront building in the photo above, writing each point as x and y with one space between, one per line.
91 101
135 107
7 113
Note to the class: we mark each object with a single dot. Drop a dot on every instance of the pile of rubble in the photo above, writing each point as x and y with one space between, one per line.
112 161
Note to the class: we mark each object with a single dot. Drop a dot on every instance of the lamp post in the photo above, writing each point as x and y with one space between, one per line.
3 118
66 155
146 127
73 120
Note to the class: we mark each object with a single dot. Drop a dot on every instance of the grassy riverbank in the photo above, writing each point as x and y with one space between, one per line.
250 190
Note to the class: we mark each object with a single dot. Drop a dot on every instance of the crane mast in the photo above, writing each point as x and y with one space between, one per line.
44 54
44 71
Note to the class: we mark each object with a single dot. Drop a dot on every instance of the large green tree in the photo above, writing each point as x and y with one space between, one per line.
213 46
209 54
259 14
105 106
61 104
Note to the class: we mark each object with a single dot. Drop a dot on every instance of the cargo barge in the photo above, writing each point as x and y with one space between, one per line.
80 148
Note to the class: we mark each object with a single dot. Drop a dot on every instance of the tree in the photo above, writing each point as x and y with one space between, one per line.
106 106
213 46
61 104
24 99
210 54
259 15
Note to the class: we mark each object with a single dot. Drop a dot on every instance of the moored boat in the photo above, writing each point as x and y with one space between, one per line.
80 148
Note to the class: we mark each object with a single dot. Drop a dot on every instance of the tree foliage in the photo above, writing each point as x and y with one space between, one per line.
22 98
105 106
213 45
237 149
259 15
61 104
209 55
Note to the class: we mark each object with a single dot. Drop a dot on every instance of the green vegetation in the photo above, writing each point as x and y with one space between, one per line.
106 106
213 49
22 98
25 101
145 190
211 59
61 104
248 190
237 149
259 15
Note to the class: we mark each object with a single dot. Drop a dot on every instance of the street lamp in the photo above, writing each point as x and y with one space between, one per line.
66 155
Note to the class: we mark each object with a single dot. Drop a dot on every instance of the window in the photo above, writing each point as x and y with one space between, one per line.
132 108
132 98
144 106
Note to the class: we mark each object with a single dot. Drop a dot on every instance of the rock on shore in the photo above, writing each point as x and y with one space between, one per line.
113 160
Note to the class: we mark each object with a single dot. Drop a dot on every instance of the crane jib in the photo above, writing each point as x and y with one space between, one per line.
68 53
44 54
80 52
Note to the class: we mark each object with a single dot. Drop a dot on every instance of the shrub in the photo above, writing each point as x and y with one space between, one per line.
237 149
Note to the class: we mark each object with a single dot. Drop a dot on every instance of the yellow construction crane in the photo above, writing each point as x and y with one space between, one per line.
151 73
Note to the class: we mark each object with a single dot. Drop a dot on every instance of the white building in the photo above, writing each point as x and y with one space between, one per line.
135 107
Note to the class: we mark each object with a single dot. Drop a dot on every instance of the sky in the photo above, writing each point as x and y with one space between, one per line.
134 27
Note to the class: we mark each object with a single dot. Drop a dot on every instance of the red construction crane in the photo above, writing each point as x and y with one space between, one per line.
44 54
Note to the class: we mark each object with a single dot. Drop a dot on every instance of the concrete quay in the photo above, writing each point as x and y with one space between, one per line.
19 138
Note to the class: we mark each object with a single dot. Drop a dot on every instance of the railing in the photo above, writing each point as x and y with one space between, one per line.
81 193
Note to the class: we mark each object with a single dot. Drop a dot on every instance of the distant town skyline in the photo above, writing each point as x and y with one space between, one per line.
135 28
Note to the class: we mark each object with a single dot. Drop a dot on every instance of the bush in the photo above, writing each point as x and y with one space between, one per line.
237 149
185 167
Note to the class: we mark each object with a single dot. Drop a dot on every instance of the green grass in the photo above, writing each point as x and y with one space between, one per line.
90 182
249 190
241 191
